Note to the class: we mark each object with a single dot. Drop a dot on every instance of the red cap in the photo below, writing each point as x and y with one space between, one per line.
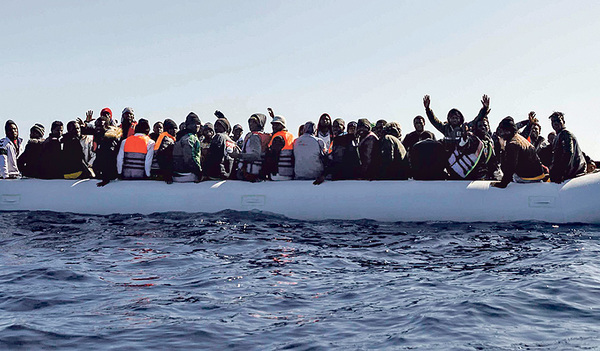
106 109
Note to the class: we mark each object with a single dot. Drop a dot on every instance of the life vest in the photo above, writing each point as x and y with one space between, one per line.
254 167
285 165
159 141
464 163
134 160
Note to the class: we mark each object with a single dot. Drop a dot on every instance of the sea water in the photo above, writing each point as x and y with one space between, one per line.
252 281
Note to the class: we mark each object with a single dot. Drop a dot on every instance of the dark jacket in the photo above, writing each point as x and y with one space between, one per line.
218 162
394 159
414 137
428 159
343 161
369 150
567 157
105 164
164 157
51 162
186 155
73 157
519 157
453 134
29 161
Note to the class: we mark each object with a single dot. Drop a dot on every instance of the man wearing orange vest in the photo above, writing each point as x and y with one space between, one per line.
134 159
253 150
162 162
279 160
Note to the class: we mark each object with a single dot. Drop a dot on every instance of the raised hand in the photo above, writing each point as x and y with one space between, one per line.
271 113
89 116
426 101
485 101
219 114
532 118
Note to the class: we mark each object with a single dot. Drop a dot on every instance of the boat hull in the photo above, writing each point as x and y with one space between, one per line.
575 201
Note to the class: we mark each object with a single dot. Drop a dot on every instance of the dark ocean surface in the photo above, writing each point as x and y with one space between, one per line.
250 281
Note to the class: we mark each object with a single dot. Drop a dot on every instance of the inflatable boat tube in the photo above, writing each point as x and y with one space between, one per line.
574 201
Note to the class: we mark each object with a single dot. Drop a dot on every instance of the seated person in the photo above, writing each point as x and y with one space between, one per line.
520 162
134 159
186 152
309 154
29 160
567 158
428 160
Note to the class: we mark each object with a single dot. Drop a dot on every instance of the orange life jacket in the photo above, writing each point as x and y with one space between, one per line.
287 137
160 139
134 160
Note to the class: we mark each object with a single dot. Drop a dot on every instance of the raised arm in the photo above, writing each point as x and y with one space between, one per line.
437 124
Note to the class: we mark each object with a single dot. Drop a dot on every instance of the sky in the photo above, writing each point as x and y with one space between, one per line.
351 59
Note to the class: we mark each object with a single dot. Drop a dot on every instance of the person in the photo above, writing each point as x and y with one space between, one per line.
162 161
520 162
236 135
29 161
253 151
75 162
474 157
351 128
205 136
324 130
378 129
567 158
309 154
127 123
51 157
11 147
186 152
532 131
545 152
452 128
279 157
369 150
413 137
220 158
134 159
182 131
428 159
157 129
106 139
343 160
394 158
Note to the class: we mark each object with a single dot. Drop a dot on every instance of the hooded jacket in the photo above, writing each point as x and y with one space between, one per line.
105 164
29 160
8 157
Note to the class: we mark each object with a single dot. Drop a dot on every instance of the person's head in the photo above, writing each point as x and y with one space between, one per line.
558 121
237 132
278 124
551 137
222 126
379 125
127 116
535 132
11 129
170 126
419 124
74 129
208 131
37 131
256 122
143 126
301 130
393 128
106 112
482 128
352 128
363 127
158 127
324 125
310 128
101 125
192 123
338 126
56 130
507 128
455 118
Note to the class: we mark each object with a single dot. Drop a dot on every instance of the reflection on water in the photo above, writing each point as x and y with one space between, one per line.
251 281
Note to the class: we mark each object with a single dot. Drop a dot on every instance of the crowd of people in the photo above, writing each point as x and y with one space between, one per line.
107 149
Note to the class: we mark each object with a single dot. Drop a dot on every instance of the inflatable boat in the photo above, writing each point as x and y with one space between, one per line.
574 201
